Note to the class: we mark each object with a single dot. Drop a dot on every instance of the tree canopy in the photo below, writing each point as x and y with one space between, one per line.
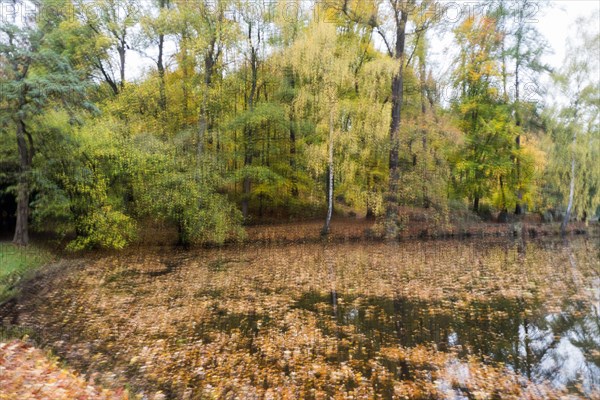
268 110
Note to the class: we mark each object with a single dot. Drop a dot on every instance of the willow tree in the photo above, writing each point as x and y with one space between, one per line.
364 147
290 21
364 122
35 75
323 67
578 127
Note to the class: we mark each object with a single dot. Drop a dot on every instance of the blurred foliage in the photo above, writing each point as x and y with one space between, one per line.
181 144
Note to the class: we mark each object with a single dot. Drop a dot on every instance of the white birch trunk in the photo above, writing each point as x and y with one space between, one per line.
330 178
567 217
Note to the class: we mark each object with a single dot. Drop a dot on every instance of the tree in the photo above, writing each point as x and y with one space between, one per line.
577 124
429 133
290 22
525 48
257 34
35 75
206 33
324 67
217 32
81 180
485 159
110 23
398 15
165 188
156 28
285 110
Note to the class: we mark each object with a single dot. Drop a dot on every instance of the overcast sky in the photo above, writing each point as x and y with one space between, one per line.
558 22
557 25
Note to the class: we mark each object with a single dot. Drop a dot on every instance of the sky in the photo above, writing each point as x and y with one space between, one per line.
557 23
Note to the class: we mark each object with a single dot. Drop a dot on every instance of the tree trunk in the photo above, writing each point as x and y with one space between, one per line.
160 65
107 78
202 126
21 237
162 101
121 50
424 176
203 121
327 225
293 157
370 212
476 204
247 186
391 214
518 207
567 217
292 117
184 81
249 148
502 194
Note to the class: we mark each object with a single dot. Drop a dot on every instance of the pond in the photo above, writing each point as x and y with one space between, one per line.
434 319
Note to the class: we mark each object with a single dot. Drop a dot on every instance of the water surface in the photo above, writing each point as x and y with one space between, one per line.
423 319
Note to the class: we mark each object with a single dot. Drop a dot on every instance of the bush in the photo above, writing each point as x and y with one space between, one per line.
167 190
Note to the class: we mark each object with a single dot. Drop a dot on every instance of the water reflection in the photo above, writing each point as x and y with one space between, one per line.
562 348
329 318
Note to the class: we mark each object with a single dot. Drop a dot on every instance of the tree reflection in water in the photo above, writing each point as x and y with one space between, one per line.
381 319
559 347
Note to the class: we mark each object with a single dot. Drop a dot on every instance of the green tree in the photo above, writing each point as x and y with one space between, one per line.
81 180
35 75
165 188
485 158
522 44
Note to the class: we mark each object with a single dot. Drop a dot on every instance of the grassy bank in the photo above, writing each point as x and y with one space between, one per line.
17 263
